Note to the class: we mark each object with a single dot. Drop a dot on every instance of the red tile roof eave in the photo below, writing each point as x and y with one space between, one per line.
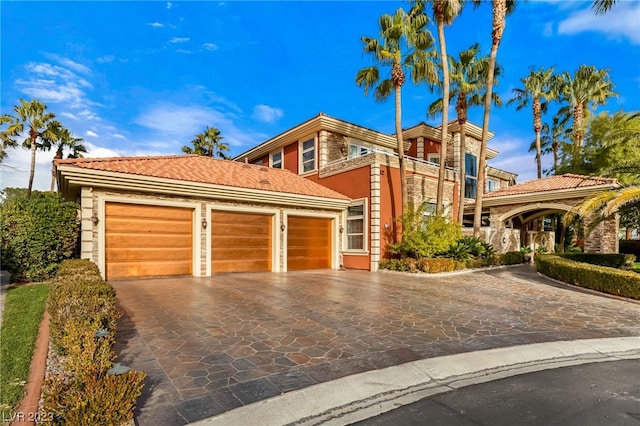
536 186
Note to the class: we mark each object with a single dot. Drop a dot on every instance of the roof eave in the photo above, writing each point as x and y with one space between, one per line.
545 196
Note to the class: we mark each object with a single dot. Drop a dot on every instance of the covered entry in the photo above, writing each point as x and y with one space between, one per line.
241 241
147 240
308 243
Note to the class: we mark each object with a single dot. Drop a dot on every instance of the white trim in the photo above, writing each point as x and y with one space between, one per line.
335 239
271 154
431 156
275 231
196 265
364 202
301 170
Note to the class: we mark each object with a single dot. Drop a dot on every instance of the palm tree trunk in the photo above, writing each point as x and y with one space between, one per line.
54 169
499 14
32 170
538 154
445 117
555 158
403 169
463 162
578 136
537 126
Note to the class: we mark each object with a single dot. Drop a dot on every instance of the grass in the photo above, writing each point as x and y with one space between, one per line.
23 310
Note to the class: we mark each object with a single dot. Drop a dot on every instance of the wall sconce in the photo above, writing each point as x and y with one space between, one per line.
204 223
343 150
341 229
94 218
283 227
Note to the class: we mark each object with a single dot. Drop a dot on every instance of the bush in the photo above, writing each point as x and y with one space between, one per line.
595 277
429 265
511 258
97 400
37 233
78 268
425 236
630 247
618 261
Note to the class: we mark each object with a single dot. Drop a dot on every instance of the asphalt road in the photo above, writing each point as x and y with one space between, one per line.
599 394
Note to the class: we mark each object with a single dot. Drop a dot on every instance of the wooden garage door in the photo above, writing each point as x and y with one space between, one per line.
308 243
145 240
240 242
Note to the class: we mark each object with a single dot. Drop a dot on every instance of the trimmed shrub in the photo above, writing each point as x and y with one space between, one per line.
610 260
437 264
37 233
630 247
595 277
511 258
78 268
95 400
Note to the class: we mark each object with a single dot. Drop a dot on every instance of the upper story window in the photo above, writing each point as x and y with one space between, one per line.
471 175
357 149
276 159
308 155
433 158
355 222
258 162
492 185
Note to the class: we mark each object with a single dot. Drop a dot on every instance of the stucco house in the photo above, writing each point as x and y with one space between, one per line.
323 194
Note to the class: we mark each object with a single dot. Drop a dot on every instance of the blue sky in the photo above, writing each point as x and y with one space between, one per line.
142 78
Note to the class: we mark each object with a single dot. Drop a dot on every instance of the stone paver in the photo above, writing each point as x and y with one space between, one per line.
210 345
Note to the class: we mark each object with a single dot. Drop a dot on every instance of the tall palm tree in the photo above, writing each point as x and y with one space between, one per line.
31 116
468 79
444 13
208 143
404 44
62 139
6 141
538 89
500 10
588 88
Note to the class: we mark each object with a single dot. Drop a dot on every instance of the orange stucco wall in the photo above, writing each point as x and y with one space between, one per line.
291 157
355 184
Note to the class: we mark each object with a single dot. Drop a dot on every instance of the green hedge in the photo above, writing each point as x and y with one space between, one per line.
83 317
610 260
630 247
511 258
37 233
600 278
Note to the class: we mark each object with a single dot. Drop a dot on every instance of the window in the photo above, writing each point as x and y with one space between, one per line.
258 162
471 175
433 158
276 160
308 155
429 209
492 185
356 226
356 149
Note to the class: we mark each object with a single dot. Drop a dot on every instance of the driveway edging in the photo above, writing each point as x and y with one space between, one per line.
361 396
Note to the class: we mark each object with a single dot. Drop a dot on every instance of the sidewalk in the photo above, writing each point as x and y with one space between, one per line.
361 396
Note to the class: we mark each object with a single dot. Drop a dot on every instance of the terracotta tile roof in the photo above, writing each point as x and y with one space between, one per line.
552 183
195 168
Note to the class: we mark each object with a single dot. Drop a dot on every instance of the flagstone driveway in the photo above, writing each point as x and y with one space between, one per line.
212 344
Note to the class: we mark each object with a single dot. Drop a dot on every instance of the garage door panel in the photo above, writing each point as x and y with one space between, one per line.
308 243
147 240
147 269
241 241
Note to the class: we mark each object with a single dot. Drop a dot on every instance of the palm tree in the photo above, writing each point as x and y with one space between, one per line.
61 139
600 7
208 143
584 91
468 77
605 204
5 140
500 10
403 45
34 116
539 90
444 12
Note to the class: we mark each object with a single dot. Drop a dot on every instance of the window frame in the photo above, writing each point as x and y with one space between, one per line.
431 156
495 181
271 162
470 177
302 151
365 224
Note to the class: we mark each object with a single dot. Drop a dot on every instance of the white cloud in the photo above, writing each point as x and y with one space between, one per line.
169 5
179 40
184 51
620 22
68 63
210 46
118 136
155 24
69 115
266 114
107 59
91 133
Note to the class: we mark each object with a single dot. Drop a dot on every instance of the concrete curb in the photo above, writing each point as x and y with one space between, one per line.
361 396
